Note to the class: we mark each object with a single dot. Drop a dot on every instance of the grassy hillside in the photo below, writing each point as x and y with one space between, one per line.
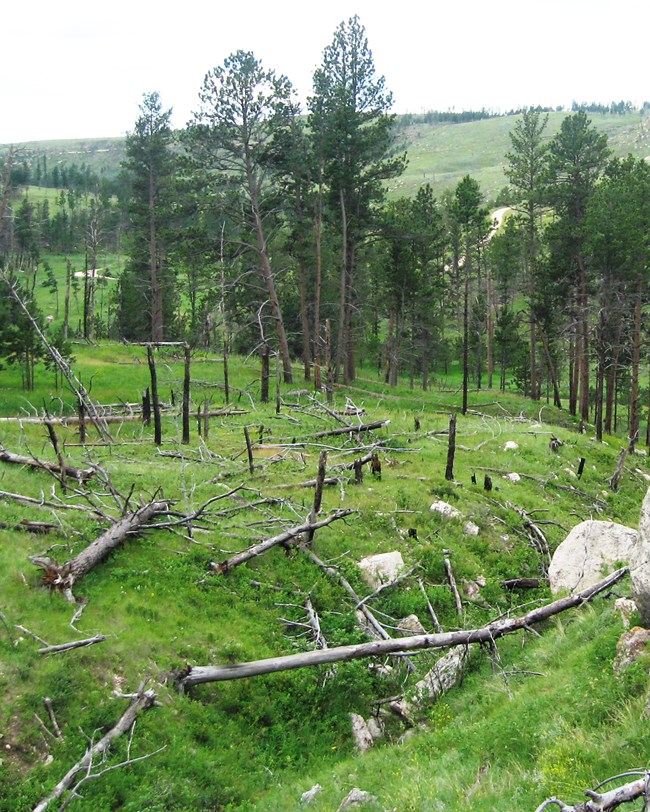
539 716
439 154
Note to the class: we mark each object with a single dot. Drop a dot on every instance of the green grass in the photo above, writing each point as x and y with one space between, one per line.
258 744
441 154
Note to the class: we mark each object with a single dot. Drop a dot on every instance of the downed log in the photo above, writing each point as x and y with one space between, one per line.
64 576
89 641
80 474
30 526
142 701
257 549
197 675
378 424
607 800
524 583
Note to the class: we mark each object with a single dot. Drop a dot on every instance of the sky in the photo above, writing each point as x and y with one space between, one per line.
79 68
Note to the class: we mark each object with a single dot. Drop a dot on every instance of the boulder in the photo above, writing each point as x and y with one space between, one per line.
470 529
588 553
631 645
308 797
356 797
510 445
513 477
640 564
383 568
411 624
625 608
446 510
362 736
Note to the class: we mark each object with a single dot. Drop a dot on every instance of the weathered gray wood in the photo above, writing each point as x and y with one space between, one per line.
64 576
197 675
267 544
89 641
142 701
600 802
80 474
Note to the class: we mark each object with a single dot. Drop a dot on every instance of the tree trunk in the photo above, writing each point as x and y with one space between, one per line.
257 549
64 576
635 419
186 397
142 701
155 402
379 648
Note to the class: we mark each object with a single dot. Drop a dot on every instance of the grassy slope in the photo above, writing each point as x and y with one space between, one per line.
439 154
442 154
257 744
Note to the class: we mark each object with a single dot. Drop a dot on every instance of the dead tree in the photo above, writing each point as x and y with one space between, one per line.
197 675
64 576
186 396
62 470
318 495
141 701
451 449
600 802
155 402
74 383
282 538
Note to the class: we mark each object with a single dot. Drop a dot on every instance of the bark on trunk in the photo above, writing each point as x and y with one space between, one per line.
142 701
80 474
257 549
64 576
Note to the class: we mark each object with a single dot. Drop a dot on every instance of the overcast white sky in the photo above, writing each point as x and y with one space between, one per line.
78 68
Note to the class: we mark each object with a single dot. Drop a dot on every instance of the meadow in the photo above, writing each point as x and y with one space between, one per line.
537 716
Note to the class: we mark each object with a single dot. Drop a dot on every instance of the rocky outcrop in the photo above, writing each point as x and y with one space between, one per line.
589 552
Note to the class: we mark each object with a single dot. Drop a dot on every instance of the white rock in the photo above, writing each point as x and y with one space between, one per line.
356 796
513 477
308 797
362 736
571 472
588 553
446 509
510 446
471 529
411 623
376 727
382 568
640 564
625 608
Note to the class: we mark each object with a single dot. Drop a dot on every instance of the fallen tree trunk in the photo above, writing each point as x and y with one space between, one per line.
263 546
487 634
607 800
80 474
378 424
142 701
64 576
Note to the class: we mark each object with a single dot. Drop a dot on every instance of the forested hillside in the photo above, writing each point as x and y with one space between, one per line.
240 360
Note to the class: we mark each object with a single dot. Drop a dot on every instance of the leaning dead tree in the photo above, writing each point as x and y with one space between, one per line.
599 802
63 576
141 701
75 384
282 538
196 675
